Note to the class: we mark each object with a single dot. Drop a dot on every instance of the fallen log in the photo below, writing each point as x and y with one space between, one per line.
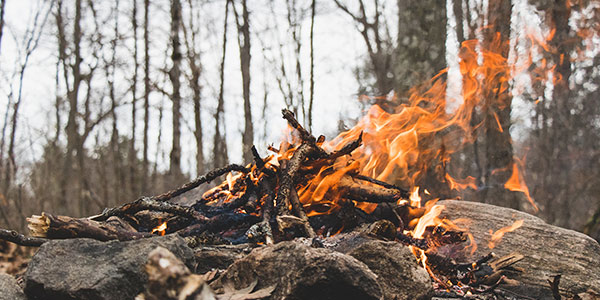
63 227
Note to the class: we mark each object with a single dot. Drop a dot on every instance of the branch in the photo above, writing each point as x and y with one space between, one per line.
208 177
20 239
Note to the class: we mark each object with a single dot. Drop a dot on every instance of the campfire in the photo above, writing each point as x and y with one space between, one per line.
301 190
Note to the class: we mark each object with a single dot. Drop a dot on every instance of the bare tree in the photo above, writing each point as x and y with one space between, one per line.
191 32
497 108
379 48
174 76
243 27
132 151
220 157
31 42
147 87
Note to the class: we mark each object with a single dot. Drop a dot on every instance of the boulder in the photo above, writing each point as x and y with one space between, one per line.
548 249
397 270
211 257
299 271
9 289
90 269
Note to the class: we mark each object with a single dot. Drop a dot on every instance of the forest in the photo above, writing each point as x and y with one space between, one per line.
106 101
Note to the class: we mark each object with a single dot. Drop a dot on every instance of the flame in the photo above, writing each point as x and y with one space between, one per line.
415 140
517 183
160 229
415 199
461 184
497 236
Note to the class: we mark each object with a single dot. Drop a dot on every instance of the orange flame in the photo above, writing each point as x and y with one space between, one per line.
497 236
417 138
517 183
160 229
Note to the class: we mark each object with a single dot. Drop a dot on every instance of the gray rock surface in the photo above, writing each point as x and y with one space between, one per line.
9 289
90 269
398 273
218 256
548 249
302 272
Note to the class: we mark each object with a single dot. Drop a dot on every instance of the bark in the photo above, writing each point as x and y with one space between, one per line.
421 50
219 143
243 27
174 76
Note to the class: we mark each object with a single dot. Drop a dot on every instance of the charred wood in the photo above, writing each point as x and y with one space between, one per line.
19 239
208 177
63 227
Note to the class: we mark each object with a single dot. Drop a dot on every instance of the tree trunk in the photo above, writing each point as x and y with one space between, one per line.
174 76
497 108
145 164
421 50
72 129
194 61
134 190
220 156
244 44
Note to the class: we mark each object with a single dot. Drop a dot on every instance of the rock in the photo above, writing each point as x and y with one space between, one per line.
398 273
211 257
90 269
9 289
302 272
548 249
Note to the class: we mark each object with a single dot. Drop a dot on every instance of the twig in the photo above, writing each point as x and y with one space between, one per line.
348 148
287 178
304 134
260 163
20 239
404 193
554 286
146 203
198 181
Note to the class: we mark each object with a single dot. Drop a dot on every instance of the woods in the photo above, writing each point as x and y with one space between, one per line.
105 103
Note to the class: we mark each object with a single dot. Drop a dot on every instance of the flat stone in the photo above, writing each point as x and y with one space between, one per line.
299 271
9 289
90 269
548 249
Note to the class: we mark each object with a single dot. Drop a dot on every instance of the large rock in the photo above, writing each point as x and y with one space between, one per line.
548 250
301 272
209 257
90 269
398 273
9 289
